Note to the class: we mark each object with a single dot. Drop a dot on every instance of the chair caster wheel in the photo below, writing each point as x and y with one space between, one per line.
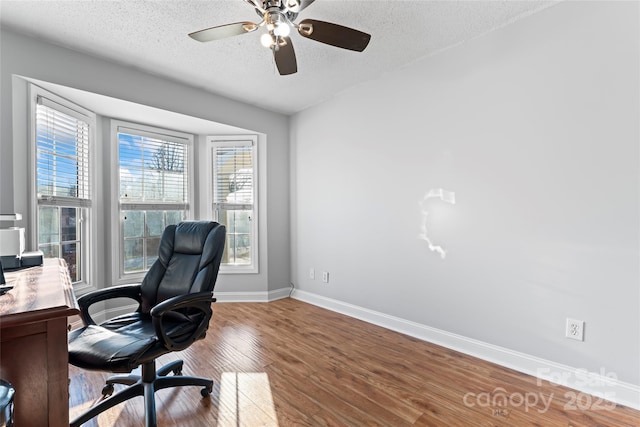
107 390
205 392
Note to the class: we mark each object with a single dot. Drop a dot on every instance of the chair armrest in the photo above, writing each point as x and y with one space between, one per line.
200 301
122 291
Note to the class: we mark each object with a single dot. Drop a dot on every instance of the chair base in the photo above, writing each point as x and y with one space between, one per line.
145 385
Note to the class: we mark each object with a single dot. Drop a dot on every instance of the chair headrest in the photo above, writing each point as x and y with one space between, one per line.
190 236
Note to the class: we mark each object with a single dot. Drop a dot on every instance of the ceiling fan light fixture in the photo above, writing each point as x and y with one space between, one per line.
282 29
267 40
281 42
278 24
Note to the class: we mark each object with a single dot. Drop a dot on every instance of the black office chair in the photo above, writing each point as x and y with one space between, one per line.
174 310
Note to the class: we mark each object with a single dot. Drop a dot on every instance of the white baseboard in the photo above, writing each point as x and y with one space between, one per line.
252 296
597 384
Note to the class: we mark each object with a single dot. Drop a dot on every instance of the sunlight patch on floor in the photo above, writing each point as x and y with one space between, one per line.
245 400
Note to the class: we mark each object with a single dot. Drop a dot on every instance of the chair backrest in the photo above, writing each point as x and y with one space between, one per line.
188 262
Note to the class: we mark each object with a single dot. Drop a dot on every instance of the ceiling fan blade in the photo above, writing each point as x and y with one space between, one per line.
334 34
285 57
224 31
297 6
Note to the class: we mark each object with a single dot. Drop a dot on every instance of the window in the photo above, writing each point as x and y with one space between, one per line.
153 190
233 203
62 180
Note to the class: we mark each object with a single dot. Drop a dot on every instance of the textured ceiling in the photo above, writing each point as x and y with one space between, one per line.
152 35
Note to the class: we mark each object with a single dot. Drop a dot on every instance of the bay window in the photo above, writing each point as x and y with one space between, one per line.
153 187
62 181
233 192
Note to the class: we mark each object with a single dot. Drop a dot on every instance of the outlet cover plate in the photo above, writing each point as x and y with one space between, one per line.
575 329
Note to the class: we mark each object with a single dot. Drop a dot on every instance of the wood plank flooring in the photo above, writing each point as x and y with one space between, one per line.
288 363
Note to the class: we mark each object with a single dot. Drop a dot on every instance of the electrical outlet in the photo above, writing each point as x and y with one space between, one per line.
312 273
325 277
575 329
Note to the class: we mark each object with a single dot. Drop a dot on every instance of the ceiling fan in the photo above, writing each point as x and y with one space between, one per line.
278 17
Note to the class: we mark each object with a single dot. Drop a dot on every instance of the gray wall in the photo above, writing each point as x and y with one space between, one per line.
535 127
36 59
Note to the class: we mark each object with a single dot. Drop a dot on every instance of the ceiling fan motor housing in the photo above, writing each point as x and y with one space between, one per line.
277 7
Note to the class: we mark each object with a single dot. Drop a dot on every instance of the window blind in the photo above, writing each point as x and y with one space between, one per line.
62 155
234 187
153 170
234 172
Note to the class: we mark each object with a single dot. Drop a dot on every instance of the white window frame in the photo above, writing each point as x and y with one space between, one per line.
88 229
117 242
235 140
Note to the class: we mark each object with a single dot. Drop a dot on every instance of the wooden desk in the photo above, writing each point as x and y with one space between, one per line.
33 342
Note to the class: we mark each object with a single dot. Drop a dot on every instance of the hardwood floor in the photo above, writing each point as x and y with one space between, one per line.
288 363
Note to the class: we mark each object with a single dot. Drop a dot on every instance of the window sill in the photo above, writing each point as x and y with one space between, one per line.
129 278
238 270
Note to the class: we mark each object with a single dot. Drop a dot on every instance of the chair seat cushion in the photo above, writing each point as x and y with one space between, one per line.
122 343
